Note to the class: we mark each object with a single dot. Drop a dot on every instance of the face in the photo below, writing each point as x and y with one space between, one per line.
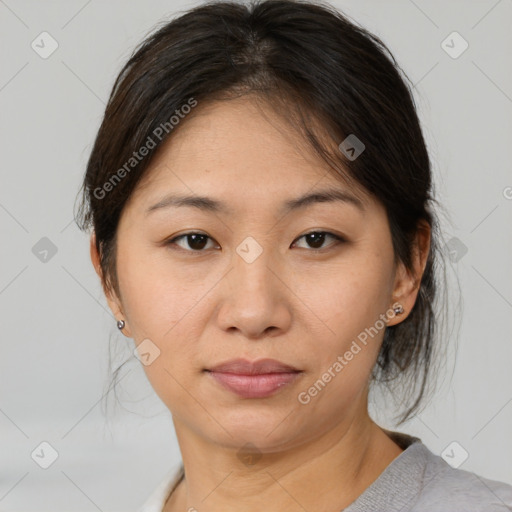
245 276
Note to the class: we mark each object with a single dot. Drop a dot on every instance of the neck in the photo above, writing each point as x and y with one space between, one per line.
323 474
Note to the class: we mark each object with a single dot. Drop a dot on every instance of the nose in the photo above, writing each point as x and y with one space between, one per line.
255 300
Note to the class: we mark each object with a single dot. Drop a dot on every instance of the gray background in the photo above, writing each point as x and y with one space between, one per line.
54 320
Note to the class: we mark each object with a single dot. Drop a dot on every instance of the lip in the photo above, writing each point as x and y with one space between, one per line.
254 379
245 367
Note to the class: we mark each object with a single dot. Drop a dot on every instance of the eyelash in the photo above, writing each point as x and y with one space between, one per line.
338 239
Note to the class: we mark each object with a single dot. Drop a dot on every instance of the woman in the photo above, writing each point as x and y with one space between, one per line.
261 202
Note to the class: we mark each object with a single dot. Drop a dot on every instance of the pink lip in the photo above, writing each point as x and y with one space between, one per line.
254 386
245 367
256 379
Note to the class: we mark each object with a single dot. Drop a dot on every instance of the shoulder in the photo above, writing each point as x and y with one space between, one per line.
420 481
447 489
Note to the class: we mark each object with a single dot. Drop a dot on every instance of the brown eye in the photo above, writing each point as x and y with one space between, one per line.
316 239
195 241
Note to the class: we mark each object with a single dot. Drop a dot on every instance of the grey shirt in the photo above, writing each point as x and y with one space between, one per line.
415 481
420 481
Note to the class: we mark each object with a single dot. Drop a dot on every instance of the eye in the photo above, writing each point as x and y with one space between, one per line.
198 241
315 239
195 241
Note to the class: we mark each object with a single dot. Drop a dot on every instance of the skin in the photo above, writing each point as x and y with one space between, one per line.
293 304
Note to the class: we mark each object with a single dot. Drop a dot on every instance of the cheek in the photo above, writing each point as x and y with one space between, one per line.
348 297
156 296
168 307
350 303
161 309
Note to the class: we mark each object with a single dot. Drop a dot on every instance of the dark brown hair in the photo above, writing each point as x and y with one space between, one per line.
328 78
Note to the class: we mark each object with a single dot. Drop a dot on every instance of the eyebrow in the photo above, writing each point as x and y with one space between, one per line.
208 204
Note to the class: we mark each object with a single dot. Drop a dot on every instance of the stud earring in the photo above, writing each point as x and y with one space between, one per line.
120 324
398 309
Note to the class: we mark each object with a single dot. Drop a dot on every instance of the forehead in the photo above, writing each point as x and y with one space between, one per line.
232 148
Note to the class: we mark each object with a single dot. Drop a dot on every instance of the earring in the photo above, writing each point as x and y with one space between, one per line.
120 324
398 309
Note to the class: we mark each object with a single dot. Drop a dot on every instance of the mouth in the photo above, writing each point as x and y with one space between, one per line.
259 367
258 379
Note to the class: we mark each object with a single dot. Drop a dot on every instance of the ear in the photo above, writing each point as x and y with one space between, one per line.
112 300
407 283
